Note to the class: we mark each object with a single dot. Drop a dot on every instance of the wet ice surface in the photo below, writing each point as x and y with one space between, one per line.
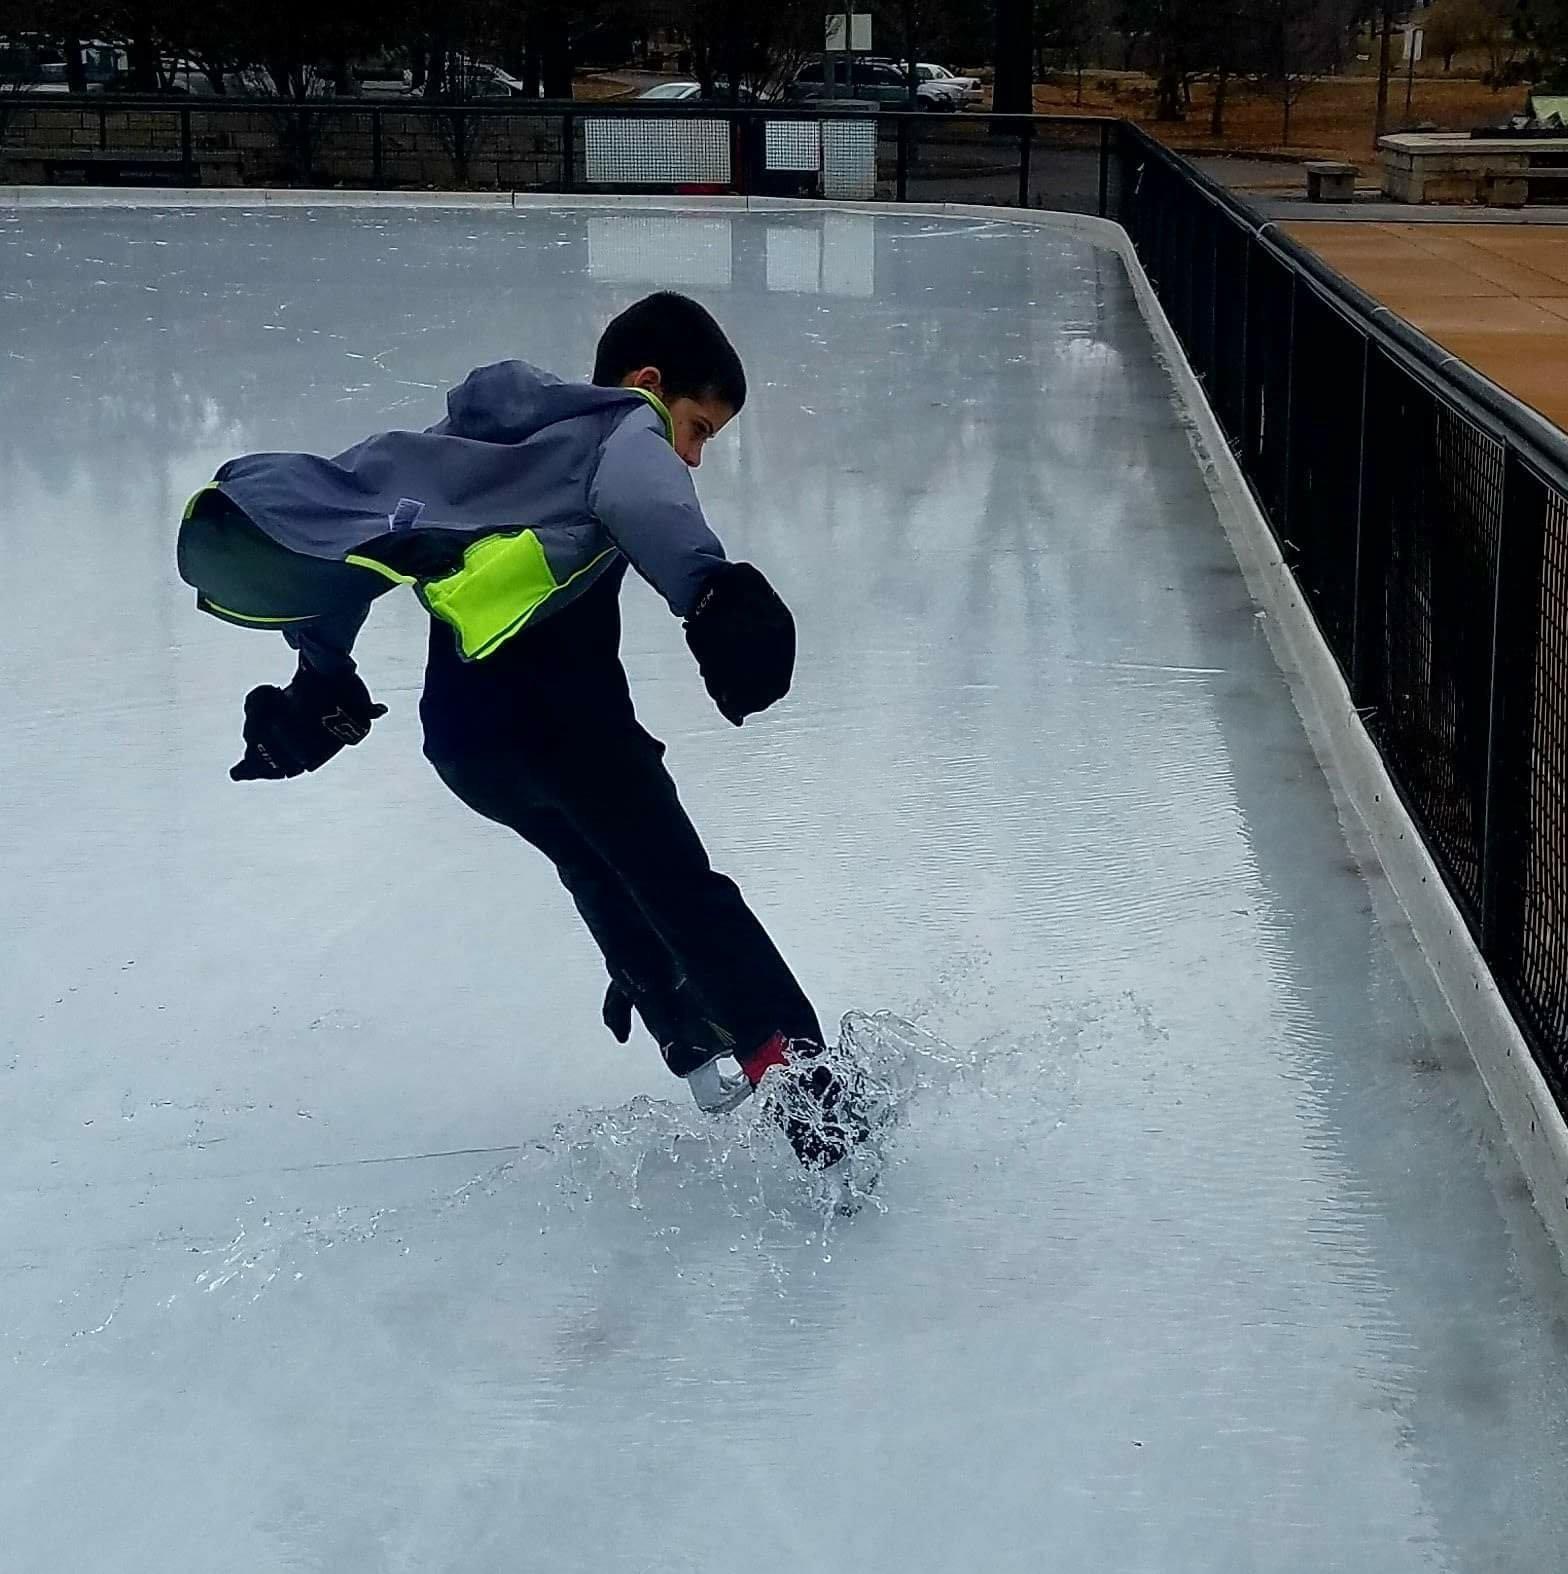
335 1232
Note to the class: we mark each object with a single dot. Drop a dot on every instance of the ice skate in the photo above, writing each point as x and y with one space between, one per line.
818 1099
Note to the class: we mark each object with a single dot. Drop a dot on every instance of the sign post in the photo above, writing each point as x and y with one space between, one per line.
845 33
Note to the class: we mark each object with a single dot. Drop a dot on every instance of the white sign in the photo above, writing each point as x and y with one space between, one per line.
1415 44
859 32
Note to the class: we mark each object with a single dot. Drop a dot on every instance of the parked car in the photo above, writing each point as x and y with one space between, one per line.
967 88
691 93
879 81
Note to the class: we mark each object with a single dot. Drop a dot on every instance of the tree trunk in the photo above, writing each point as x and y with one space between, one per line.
75 66
1289 105
555 53
1384 44
912 77
437 68
533 60
144 63
1167 92
1217 113
1012 90
734 61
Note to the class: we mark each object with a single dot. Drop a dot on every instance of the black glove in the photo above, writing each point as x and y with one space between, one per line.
743 637
289 731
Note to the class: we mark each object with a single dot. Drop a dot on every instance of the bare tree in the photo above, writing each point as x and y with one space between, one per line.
1072 30
748 48
1452 25
1501 26
1295 40
1012 90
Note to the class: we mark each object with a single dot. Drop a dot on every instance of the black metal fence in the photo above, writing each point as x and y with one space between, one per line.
1425 515
1061 162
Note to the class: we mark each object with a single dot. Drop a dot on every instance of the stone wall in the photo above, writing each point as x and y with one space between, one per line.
260 145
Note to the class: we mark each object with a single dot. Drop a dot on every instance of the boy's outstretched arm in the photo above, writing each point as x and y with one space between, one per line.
325 706
326 644
741 633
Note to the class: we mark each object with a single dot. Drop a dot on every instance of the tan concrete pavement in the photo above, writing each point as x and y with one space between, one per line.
1496 295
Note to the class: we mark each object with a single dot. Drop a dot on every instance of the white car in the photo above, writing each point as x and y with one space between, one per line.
691 93
965 89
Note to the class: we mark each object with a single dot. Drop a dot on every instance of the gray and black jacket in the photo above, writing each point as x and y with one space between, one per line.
529 492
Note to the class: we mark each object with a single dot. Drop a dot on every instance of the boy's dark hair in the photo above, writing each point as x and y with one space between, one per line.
681 338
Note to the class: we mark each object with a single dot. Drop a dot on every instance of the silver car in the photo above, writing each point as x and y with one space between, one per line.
965 89
879 81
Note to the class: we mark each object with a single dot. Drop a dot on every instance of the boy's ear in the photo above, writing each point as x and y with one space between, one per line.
647 377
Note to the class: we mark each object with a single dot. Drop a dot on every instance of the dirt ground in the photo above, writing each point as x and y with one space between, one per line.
1332 119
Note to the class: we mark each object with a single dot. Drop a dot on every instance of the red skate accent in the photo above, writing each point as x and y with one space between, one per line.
775 1052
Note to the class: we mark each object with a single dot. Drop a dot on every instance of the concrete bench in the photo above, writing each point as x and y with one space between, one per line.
1548 180
1331 182
1504 172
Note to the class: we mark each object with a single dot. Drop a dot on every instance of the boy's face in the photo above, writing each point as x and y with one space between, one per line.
694 420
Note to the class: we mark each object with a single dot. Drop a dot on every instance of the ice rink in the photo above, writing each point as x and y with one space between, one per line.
337 1234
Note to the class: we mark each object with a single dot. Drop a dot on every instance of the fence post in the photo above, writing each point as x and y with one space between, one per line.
1239 436
1025 137
903 159
1512 681
187 164
1213 377
1105 167
1364 582
459 125
1248 434
103 128
568 151
1282 524
376 166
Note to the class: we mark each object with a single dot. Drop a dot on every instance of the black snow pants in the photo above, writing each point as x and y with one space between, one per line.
675 933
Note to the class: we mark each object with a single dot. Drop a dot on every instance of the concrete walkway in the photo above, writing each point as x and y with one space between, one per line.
1496 295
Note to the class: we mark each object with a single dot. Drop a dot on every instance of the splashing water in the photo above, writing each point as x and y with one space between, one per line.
653 1180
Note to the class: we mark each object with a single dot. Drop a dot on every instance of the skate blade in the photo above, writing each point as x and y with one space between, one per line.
716 1093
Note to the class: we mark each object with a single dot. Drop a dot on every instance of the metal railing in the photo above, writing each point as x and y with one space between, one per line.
1065 162
1424 513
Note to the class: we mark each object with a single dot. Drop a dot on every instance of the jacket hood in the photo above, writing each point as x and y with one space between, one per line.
509 401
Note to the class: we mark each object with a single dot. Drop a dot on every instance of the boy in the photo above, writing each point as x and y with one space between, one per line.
515 519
